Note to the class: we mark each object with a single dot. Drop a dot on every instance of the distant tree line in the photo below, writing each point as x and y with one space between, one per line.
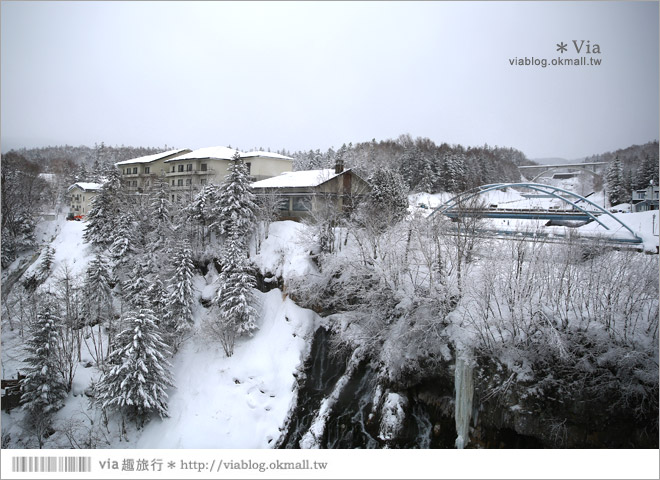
630 168
423 165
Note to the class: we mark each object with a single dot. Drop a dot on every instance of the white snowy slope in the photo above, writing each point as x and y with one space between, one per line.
242 401
70 249
218 402
284 253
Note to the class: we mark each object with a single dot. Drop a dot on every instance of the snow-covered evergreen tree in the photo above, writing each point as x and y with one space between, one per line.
428 177
389 196
98 283
46 262
455 172
104 213
647 172
234 297
160 209
124 243
180 298
616 192
140 373
97 288
236 204
203 211
156 297
137 285
43 388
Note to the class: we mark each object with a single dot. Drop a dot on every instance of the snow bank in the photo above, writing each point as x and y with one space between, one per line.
283 254
644 224
70 250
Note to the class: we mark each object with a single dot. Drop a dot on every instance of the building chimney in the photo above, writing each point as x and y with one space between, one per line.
339 165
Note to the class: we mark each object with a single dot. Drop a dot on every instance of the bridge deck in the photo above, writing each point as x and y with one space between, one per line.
567 165
524 214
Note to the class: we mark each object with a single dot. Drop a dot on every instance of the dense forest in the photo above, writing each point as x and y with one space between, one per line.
630 168
424 165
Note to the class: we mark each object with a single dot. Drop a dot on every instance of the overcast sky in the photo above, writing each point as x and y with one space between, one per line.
304 75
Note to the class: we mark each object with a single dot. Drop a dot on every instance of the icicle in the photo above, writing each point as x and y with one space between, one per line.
464 390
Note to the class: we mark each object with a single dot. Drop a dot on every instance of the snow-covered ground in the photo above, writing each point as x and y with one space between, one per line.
284 253
242 401
218 402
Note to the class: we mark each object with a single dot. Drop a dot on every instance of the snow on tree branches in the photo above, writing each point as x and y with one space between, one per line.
43 388
237 201
140 373
234 297
180 299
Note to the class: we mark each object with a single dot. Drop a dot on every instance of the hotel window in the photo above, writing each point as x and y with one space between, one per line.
179 182
181 168
173 168
134 169
203 167
188 181
301 204
135 183
147 169
249 167
172 182
189 167
202 181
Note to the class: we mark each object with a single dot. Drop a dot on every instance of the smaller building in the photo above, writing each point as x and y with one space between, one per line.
645 199
262 165
303 193
80 197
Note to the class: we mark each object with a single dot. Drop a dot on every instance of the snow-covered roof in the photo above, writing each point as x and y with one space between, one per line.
153 158
260 153
86 186
303 178
223 153
48 177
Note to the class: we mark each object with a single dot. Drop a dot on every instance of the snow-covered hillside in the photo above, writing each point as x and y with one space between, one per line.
218 402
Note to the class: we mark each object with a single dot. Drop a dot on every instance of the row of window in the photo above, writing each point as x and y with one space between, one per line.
134 170
189 167
175 168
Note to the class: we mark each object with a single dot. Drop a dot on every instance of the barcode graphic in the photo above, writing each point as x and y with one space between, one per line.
51 464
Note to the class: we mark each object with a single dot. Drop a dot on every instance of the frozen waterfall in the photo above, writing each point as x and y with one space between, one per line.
464 386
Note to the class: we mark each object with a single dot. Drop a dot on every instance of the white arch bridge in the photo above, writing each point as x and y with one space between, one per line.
536 171
579 207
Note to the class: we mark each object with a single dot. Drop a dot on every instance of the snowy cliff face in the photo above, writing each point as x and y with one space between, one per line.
563 338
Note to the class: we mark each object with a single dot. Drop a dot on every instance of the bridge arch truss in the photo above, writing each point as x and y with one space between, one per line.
549 190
